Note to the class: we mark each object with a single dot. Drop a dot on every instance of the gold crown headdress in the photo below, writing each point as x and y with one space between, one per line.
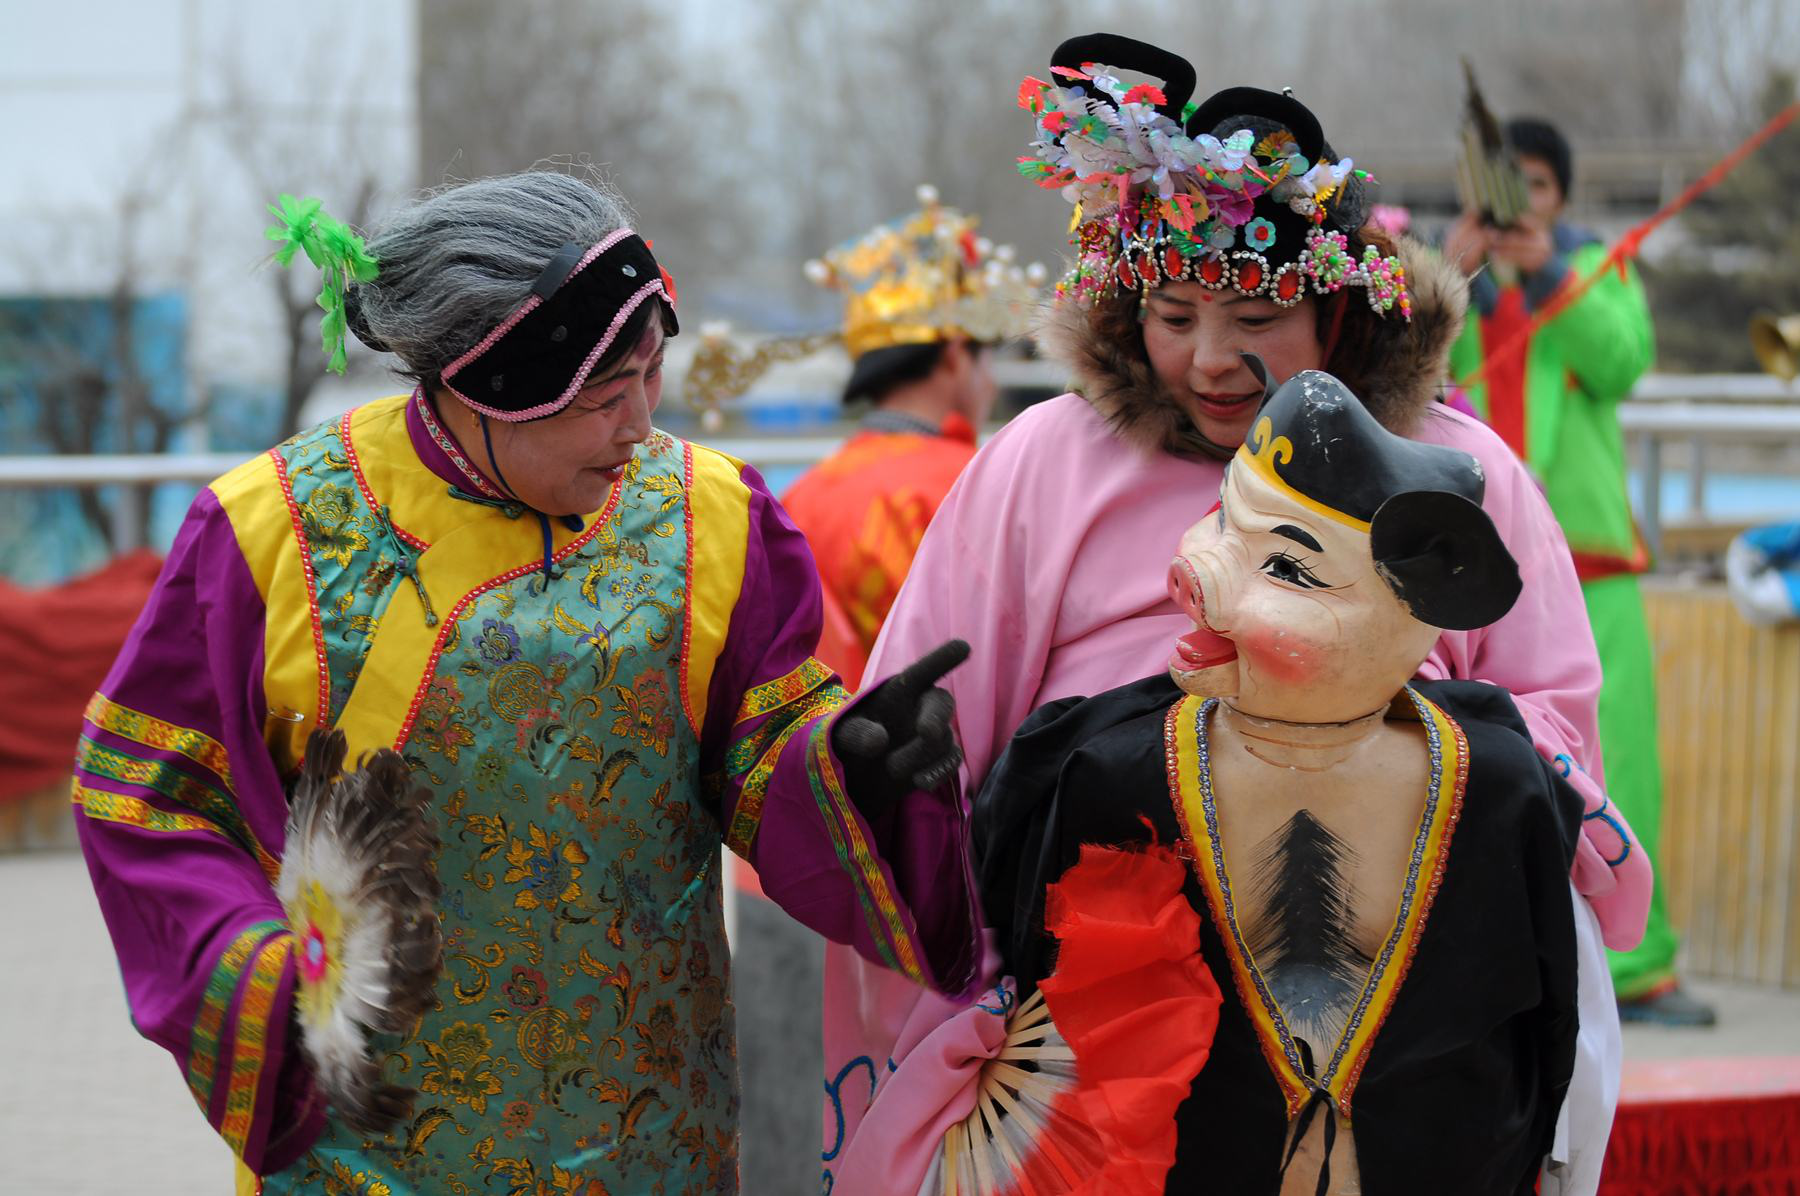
722 369
927 277
922 278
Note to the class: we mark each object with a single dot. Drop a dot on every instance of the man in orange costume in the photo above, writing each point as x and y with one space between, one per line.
926 301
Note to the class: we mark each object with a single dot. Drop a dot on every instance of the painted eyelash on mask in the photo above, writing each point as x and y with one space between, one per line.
1306 577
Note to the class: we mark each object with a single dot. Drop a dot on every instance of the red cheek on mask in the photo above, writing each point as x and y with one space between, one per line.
1281 655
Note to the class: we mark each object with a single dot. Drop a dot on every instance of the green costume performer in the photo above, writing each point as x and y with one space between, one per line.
1554 400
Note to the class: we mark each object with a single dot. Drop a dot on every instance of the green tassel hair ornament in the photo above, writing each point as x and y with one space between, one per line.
336 250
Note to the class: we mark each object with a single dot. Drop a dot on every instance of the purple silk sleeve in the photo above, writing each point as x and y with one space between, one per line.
898 889
181 811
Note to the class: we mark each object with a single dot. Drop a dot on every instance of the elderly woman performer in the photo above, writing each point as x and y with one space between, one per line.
590 643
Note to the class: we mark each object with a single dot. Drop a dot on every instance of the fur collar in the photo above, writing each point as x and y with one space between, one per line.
1116 380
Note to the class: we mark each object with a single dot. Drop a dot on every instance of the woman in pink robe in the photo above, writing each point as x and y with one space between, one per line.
1050 557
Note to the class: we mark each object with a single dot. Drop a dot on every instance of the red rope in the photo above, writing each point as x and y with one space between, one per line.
1629 245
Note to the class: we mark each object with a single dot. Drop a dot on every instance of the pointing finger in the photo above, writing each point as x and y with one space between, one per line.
924 672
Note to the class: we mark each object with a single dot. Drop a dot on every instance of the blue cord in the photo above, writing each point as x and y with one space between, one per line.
572 522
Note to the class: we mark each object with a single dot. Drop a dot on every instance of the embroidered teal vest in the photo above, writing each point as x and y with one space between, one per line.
582 1040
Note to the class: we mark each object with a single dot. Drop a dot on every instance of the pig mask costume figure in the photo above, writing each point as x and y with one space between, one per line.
1285 883
1321 613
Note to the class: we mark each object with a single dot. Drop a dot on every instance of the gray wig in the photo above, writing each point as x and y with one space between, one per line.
459 261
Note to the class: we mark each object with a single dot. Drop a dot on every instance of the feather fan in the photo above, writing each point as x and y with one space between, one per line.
359 881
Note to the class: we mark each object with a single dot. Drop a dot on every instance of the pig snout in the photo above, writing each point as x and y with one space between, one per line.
1186 591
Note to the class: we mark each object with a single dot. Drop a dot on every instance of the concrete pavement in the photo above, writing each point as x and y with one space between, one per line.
87 1107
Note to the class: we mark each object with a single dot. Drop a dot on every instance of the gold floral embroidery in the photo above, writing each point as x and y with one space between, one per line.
659 1044
331 523
439 724
460 1066
644 714
548 866
551 729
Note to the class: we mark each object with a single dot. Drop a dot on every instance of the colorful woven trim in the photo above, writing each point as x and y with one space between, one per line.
1430 857
758 753
887 927
203 1041
105 806
250 1047
790 687
745 752
477 483
216 807
747 816
153 732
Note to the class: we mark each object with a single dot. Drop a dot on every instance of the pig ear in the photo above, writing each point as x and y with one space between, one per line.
1442 557
1261 370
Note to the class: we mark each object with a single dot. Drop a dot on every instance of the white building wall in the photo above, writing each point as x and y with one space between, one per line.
205 108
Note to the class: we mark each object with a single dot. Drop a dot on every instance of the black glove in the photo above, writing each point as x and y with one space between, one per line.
899 739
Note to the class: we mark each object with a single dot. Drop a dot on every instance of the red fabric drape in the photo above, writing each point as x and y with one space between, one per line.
1706 1127
1134 999
57 643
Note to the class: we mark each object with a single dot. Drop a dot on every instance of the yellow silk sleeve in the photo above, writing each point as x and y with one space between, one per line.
256 500
718 545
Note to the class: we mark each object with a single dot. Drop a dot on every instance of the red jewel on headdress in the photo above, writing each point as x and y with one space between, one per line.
1250 276
971 249
1172 262
1287 284
1146 269
1212 271
1127 278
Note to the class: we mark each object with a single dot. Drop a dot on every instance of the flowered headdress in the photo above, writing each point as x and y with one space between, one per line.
1240 192
927 277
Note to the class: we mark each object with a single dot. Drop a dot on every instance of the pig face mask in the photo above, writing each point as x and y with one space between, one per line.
1336 555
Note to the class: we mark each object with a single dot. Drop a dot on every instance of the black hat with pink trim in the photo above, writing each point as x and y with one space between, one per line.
535 362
